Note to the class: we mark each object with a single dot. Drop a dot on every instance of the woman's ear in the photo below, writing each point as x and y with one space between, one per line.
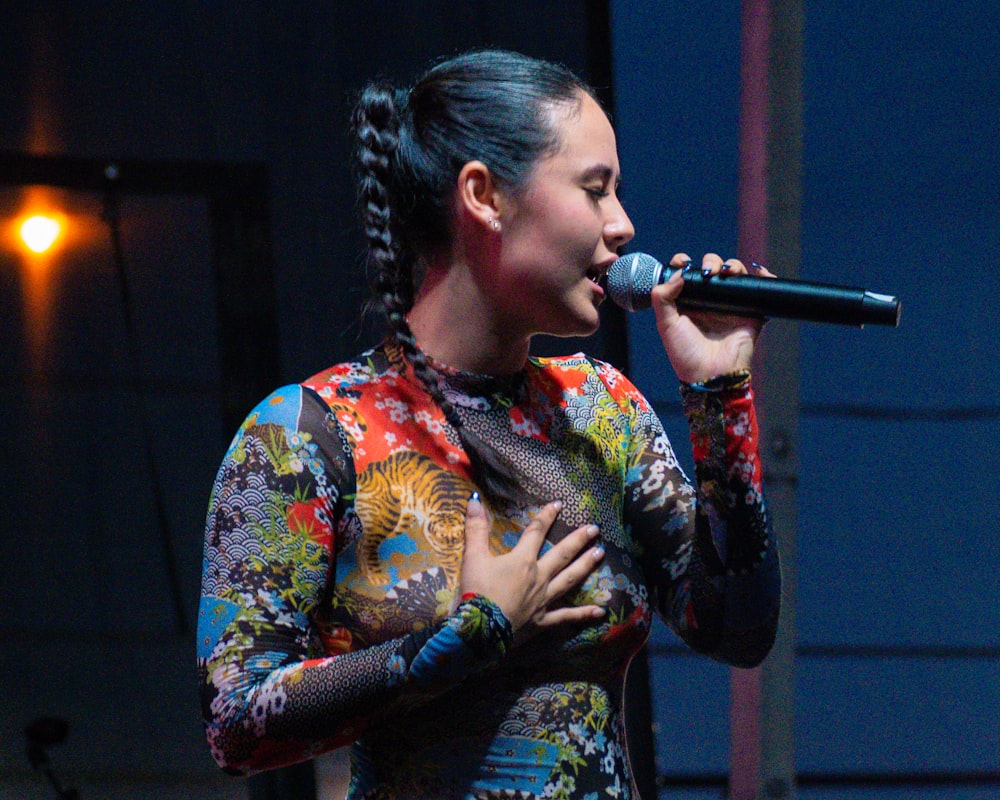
479 196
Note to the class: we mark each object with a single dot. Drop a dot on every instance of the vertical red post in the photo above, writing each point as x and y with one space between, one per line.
762 703
752 237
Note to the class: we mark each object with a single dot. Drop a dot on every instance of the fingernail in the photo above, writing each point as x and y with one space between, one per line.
706 271
688 268
597 612
725 267
593 530
557 505
475 504
597 553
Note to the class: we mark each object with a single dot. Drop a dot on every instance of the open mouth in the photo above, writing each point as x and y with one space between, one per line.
596 275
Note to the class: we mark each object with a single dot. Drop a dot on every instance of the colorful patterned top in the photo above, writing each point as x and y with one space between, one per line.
333 548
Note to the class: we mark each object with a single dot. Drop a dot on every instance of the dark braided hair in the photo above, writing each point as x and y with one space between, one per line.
489 106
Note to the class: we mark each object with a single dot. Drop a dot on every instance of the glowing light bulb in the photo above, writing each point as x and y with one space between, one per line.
38 233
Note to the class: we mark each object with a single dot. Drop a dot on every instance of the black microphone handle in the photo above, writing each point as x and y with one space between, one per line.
632 277
751 296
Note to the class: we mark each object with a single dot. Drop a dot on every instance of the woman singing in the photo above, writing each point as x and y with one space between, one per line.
445 552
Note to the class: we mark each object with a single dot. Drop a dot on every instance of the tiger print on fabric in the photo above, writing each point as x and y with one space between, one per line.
409 493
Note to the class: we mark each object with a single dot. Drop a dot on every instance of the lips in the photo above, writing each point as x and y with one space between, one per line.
598 272
597 276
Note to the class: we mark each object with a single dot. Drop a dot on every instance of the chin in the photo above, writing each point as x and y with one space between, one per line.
575 317
579 328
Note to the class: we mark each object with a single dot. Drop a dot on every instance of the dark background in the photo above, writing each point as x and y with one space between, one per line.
123 374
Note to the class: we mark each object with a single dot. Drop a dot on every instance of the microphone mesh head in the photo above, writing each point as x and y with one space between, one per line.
631 279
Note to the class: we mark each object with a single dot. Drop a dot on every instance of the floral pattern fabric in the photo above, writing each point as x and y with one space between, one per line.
332 554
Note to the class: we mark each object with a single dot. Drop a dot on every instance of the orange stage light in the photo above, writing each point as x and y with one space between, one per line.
40 232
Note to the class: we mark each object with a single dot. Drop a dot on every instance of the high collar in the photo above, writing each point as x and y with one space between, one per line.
461 388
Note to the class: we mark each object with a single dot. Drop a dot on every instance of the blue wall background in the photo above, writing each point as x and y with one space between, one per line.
899 603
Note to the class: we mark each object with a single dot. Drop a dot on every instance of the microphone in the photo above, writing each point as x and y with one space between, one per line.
632 277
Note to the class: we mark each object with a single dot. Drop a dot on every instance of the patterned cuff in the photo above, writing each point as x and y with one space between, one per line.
484 627
731 381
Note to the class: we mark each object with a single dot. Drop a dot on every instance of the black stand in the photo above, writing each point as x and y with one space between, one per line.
41 734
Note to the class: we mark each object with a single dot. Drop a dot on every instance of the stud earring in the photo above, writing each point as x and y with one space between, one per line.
495 223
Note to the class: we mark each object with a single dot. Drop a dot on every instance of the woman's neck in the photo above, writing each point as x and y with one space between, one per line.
452 324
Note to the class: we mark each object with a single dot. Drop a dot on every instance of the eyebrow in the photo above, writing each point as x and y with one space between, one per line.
602 172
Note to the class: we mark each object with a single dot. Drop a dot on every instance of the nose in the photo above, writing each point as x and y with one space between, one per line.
618 229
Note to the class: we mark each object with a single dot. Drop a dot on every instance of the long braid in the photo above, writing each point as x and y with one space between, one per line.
376 124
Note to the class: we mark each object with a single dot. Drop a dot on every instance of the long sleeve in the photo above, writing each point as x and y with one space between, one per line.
277 518
708 552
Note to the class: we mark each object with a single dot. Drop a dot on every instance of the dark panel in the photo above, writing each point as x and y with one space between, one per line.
894 547
905 716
